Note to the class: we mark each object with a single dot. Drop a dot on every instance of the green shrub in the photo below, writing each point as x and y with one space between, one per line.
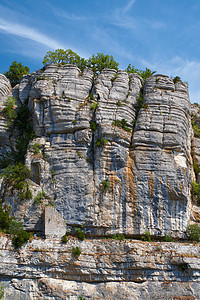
81 298
118 236
76 251
195 129
101 142
92 96
121 124
5 219
93 126
80 234
196 167
176 79
183 266
196 192
2 291
146 236
94 105
39 197
64 239
9 111
20 238
119 103
140 101
193 232
105 185
16 71
16 176
168 238
36 148
143 73
15 227
101 61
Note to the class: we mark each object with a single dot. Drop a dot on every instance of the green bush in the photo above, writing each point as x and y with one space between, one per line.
196 167
119 103
62 57
183 266
9 111
195 129
1 291
146 236
64 239
168 238
101 142
15 227
20 238
16 176
193 232
80 234
121 124
118 236
16 71
101 61
76 251
105 185
92 96
143 73
39 197
5 219
94 105
93 126
196 192
176 79
36 148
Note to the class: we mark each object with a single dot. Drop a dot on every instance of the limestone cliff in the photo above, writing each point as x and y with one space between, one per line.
131 173
114 154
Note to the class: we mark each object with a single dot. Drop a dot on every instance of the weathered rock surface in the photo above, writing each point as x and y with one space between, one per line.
147 169
5 92
113 169
105 269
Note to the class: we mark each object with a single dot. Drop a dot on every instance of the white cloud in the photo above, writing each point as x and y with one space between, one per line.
28 33
128 6
66 15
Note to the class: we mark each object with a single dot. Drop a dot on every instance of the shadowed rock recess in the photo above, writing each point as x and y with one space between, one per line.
114 166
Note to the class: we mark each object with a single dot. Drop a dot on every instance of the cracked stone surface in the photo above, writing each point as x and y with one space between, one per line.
146 164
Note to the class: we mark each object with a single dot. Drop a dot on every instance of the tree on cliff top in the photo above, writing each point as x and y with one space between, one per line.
100 61
96 62
144 74
61 56
16 71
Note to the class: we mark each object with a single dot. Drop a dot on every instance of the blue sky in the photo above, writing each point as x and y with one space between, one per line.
163 35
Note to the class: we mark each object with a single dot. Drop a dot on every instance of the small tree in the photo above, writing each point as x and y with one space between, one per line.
143 73
61 56
193 232
16 71
100 61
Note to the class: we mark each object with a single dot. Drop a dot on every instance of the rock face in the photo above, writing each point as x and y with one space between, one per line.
105 269
5 92
105 165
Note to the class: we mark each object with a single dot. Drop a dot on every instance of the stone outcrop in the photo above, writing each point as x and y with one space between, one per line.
104 164
105 269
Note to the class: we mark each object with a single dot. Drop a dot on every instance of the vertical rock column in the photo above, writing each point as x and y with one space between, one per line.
117 94
162 159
